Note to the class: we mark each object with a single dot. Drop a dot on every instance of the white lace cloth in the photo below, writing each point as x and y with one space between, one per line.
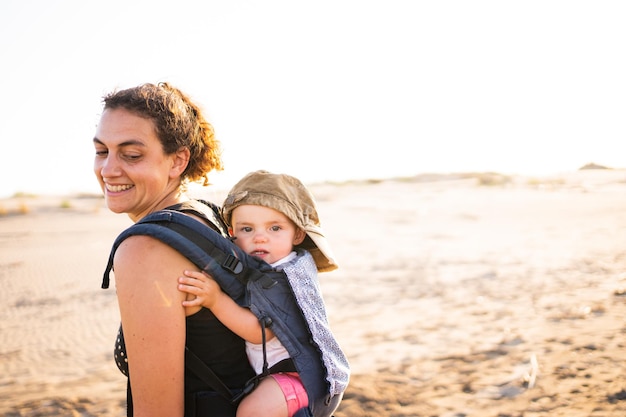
302 275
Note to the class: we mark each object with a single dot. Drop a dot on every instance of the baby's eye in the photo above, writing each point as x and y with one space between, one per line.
246 229
275 228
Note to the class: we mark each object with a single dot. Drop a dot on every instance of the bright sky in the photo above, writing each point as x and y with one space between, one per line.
330 89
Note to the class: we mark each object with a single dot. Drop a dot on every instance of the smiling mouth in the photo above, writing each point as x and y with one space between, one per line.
118 188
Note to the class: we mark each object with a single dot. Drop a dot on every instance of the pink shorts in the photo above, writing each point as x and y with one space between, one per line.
295 394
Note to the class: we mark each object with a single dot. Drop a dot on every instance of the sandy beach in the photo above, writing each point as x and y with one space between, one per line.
456 296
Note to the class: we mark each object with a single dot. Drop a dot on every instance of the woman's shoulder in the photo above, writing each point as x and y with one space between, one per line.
144 249
144 264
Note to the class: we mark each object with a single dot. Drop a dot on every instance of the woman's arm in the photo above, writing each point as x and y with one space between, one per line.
153 320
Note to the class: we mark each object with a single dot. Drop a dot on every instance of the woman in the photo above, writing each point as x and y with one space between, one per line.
151 141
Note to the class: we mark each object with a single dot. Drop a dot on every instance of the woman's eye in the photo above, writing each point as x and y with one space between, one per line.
132 156
102 152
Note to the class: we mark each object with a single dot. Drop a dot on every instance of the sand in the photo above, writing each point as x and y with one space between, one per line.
457 296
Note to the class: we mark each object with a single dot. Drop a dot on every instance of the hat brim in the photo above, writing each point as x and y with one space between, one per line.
320 249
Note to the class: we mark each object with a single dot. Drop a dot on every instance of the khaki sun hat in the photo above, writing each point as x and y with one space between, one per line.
289 196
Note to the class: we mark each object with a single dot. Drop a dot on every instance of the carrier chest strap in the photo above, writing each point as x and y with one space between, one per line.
207 375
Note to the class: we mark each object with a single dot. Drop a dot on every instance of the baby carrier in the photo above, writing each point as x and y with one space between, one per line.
253 284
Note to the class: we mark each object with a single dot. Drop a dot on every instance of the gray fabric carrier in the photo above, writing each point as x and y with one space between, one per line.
249 282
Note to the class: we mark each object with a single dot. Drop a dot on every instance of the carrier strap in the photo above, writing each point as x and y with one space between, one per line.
207 375
286 365
168 226
226 260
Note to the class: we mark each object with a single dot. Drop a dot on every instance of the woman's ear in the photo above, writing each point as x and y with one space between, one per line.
299 236
180 161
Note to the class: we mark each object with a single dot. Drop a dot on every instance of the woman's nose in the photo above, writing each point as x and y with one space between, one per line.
109 167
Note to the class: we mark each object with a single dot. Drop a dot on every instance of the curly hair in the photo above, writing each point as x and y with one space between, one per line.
179 123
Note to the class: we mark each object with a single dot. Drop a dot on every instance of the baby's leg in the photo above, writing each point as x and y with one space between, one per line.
278 395
266 400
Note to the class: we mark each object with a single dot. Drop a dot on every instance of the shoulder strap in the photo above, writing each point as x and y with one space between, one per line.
195 364
202 245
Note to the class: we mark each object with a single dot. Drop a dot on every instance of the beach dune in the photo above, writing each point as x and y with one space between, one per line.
458 295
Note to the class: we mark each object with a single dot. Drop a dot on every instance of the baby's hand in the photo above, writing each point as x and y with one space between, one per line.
202 286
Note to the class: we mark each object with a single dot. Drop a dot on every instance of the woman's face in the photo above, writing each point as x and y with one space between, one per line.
136 176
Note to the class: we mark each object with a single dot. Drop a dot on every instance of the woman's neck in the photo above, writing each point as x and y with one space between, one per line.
170 199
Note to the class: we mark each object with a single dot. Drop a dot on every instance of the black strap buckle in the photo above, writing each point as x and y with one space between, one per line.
232 264
247 389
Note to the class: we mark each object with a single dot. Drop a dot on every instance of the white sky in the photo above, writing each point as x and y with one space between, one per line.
328 89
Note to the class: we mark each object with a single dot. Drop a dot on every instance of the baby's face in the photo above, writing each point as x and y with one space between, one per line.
264 233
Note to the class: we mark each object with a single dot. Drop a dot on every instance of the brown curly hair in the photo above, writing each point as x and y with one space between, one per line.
178 122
